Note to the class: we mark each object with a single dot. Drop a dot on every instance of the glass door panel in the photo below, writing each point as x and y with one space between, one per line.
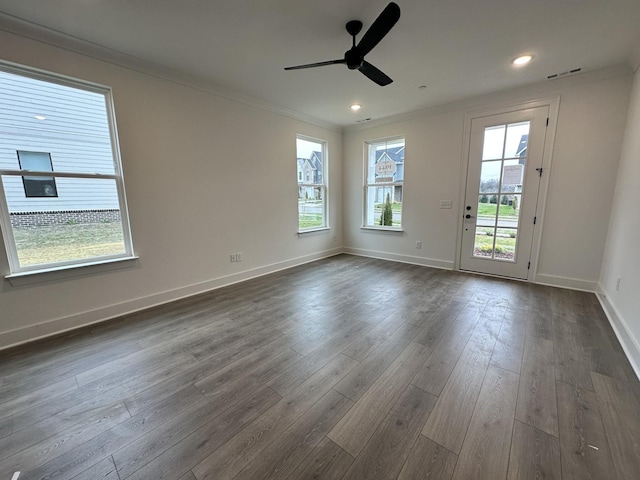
499 161
500 175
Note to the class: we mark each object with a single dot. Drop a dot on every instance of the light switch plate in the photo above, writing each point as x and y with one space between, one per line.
446 204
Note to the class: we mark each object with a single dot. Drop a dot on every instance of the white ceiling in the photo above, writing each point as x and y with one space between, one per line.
457 48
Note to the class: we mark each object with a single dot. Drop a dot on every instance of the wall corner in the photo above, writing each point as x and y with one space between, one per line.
634 58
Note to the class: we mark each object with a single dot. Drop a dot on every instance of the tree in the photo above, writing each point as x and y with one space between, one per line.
386 219
484 199
515 203
505 200
493 199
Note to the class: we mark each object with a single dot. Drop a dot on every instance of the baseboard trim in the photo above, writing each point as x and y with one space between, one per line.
427 262
54 327
629 344
566 282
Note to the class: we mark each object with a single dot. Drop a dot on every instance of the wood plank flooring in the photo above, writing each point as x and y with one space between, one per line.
344 368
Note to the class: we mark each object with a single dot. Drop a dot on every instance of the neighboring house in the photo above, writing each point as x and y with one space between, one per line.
395 155
35 134
309 173
522 147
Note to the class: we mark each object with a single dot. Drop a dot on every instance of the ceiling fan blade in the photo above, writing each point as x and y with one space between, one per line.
318 64
380 27
375 74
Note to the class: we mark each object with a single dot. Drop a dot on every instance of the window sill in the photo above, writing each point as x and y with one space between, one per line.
313 230
392 231
43 275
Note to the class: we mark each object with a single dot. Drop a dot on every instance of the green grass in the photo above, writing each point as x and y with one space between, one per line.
509 244
505 245
309 220
59 243
489 210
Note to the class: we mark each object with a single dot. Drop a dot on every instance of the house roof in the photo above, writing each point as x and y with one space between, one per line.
395 154
314 161
521 151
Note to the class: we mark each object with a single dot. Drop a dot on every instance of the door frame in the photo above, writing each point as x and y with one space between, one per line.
547 156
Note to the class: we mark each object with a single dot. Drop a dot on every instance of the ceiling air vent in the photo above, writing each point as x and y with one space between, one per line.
564 74
368 119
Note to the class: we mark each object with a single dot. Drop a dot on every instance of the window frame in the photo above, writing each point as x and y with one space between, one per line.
25 179
367 185
117 176
324 186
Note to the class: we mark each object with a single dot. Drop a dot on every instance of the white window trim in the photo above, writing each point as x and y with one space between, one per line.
382 228
324 186
303 233
16 270
53 274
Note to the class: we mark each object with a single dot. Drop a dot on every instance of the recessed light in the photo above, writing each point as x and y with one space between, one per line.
40 117
355 107
522 59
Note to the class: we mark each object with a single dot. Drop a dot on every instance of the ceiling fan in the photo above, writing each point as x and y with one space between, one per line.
354 57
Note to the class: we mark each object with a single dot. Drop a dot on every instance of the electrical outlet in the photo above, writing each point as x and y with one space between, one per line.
418 244
233 257
238 256
446 204
618 283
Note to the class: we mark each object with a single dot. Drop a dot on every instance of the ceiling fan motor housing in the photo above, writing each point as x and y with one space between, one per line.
353 58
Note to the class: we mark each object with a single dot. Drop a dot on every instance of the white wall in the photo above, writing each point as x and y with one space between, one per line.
188 155
589 134
205 176
622 254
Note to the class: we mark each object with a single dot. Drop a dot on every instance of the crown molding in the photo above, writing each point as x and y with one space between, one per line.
514 95
55 38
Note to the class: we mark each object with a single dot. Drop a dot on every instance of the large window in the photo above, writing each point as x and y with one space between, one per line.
62 197
384 172
312 184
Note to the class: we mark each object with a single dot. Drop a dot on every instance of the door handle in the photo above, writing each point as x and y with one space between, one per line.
469 216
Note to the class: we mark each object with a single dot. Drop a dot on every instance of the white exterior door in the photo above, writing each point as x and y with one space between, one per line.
503 180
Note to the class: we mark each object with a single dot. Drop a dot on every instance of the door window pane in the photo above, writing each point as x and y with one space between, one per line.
483 245
487 210
493 142
517 139
505 246
509 211
490 177
512 176
500 192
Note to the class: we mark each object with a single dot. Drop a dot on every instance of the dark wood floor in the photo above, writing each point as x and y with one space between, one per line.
346 368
